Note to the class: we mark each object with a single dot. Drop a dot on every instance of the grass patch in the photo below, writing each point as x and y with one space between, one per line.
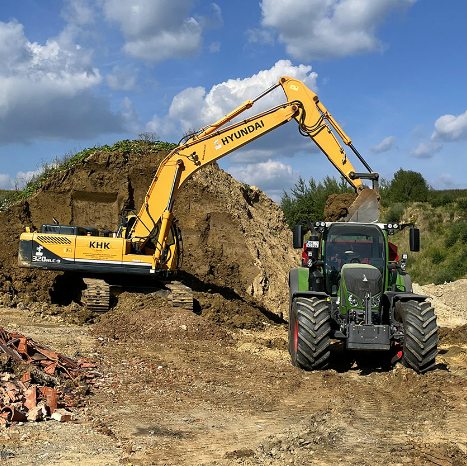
67 161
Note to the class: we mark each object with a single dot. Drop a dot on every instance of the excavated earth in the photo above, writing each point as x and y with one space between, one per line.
236 241
216 387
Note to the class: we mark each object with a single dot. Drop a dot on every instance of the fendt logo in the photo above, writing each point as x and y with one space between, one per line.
99 245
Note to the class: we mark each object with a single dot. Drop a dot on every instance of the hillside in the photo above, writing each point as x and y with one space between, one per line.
443 236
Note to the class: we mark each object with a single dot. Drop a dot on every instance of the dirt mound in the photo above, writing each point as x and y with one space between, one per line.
235 237
337 206
449 301
139 317
453 336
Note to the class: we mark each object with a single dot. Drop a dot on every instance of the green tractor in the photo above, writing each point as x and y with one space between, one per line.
353 287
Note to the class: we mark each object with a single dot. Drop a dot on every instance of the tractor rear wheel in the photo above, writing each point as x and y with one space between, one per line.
309 333
420 335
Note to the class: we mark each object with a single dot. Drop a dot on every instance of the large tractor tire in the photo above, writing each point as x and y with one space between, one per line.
420 335
309 333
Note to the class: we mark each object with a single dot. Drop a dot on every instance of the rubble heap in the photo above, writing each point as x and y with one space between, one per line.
37 383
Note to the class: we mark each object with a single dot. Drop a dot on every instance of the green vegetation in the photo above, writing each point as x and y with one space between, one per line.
5 196
406 186
146 144
307 200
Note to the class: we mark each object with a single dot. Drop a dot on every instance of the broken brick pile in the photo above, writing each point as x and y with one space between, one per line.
49 385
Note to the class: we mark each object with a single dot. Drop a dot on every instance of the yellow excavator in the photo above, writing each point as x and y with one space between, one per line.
149 242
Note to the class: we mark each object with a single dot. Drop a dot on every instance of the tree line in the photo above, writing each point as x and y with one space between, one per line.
306 200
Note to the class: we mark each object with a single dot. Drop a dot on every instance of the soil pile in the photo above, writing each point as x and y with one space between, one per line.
235 237
149 317
337 206
449 301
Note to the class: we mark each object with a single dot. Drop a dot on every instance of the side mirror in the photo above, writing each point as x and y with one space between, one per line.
298 237
414 239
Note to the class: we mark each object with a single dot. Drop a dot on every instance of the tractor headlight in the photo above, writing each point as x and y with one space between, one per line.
353 301
375 300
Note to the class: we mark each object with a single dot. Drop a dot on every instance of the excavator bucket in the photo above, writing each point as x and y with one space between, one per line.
365 208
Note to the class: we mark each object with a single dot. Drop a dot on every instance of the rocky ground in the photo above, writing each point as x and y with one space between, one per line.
180 388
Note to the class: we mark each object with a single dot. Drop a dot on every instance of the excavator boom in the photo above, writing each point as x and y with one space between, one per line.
217 140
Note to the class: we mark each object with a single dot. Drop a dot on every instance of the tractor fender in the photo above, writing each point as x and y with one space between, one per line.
299 285
392 298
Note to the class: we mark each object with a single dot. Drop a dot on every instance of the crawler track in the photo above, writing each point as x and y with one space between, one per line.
96 295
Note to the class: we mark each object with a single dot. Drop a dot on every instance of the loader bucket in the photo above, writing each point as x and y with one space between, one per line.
365 208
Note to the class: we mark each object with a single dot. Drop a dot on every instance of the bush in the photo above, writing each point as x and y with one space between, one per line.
407 186
444 276
307 200
438 255
455 267
442 200
394 214
457 232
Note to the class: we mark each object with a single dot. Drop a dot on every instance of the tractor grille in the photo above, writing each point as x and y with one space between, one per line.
53 239
360 279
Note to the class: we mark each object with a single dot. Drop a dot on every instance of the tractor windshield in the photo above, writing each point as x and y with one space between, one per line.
359 244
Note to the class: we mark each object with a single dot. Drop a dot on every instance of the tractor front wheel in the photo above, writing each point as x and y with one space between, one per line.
420 335
309 333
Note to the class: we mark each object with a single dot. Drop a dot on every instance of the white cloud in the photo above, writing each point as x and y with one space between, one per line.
163 127
21 179
46 90
123 79
448 128
451 128
79 12
385 145
130 115
271 176
215 47
260 36
6 182
213 19
317 29
194 108
426 150
157 30
446 181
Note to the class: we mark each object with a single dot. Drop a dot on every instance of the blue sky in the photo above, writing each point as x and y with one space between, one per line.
76 74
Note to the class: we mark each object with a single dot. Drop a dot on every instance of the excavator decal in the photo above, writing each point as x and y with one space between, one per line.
243 132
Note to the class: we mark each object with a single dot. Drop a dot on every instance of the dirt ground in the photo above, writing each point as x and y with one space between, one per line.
216 387
179 388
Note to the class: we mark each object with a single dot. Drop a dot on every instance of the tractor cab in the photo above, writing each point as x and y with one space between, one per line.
355 247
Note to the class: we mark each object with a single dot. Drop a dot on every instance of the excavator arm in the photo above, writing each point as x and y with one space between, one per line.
212 142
